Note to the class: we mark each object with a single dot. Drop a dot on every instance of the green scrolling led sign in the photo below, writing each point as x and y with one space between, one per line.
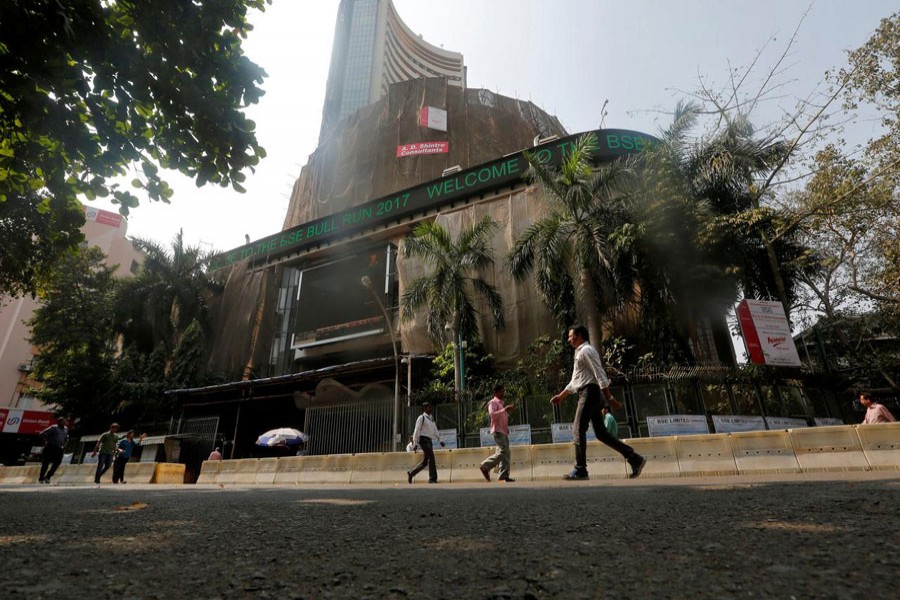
611 144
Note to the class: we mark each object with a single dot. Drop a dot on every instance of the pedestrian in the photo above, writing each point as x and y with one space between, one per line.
423 436
55 439
411 446
215 454
875 412
590 382
499 414
124 452
609 421
106 446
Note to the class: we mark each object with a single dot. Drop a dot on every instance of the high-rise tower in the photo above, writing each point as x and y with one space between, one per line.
372 49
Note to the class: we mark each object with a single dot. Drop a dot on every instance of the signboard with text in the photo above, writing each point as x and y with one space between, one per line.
519 435
433 118
736 423
420 148
562 433
448 436
767 334
427 197
677 425
102 216
785 423
26 422
827 421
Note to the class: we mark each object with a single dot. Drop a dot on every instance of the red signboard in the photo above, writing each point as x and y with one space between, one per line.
26 422
102 216
423 148
767 334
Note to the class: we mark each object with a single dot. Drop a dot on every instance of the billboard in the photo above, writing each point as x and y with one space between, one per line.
26 422
419 148
433 118
767 334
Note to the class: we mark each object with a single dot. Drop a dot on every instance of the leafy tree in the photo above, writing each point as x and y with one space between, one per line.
72 330
167 295
90 88
447 293
188 360
569 251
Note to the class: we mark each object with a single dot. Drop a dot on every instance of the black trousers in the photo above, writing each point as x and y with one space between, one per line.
51 457
119 469
427 459
590 403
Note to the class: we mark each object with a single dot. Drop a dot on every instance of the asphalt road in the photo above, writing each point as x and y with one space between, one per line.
833 536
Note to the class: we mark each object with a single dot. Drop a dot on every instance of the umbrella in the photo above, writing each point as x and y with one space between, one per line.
283 436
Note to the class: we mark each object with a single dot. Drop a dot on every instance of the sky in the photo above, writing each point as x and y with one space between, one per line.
566 56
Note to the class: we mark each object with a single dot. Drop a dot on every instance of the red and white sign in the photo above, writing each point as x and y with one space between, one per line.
433 118
767 335
26 422
102 216
423 148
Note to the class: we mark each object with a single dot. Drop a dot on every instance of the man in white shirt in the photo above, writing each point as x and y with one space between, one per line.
424 435
590 381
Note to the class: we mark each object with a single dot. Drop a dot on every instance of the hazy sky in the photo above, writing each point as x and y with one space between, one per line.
566 56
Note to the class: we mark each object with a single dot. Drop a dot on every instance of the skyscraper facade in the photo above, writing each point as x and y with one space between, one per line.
374 48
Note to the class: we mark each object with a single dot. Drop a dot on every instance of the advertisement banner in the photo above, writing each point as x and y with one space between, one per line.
420 148
562 433
26 422
519 435
102 216
677 425
448 436
767 334
736 423
786 423
827 421
433 118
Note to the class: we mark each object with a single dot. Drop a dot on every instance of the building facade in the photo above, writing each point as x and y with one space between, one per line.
373 48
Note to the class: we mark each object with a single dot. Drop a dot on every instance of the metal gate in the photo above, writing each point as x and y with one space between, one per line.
351 427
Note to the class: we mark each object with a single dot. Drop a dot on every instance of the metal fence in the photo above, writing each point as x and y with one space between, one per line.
356 426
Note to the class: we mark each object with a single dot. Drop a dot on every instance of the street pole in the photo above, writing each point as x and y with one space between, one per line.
367 283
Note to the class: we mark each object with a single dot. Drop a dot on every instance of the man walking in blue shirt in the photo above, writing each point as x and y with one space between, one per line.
124 452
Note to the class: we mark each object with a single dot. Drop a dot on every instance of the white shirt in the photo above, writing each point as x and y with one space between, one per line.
588 369
425 427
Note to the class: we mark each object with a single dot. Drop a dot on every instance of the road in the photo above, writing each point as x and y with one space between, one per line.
828 536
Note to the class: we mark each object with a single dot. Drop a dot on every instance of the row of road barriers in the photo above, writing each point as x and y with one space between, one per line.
807 450
135 472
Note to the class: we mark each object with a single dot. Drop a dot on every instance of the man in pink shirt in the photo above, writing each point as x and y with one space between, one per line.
875 413
500 432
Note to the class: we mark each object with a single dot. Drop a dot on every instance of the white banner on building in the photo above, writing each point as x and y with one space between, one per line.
736 423
785 423
766 333
433 118
448 436
828 421
562 433
677 425
519 435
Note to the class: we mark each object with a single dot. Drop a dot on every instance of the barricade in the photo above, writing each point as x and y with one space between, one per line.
245 473
286 470
24 474
662 459
551 461
603 462
265 471
168 473
709 454
311 468
138 472
209 471
820 449
228 471
522 460
367 468
77 473
881 445
394 466
465 465
758 452
338 468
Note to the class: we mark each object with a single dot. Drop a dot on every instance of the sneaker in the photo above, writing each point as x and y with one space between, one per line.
409 476
486 473
507 479
576 475
44 480
637 467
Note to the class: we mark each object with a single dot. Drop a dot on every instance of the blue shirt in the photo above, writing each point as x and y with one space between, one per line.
127 447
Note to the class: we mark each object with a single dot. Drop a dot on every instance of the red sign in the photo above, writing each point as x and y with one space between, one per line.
767 334
423 148
103 217
26 422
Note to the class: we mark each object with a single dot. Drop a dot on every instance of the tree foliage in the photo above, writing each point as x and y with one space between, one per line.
89 89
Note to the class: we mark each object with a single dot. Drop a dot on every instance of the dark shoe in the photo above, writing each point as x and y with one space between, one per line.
507 479
409 476
637 467
486 473
123 481
97 481
430 481
576 475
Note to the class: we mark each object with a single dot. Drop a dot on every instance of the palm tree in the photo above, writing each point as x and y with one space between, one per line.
570 251
166 296
447 291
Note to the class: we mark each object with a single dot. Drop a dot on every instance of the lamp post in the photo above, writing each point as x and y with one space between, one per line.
367 283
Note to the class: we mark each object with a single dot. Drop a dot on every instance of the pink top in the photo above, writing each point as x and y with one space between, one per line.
499 417
877 413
